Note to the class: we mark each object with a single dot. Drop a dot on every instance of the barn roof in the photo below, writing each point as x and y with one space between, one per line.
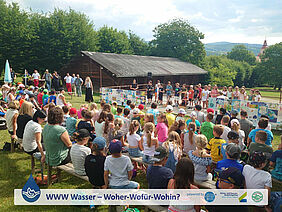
123 65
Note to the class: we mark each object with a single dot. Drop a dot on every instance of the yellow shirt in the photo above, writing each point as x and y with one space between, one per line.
170 119
215 147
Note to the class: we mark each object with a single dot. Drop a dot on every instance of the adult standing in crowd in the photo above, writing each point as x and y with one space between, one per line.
134 85
56 81
150 90
48 78
157 89
89 90
36 77
13 75
67 79
78 83
56 139
73 88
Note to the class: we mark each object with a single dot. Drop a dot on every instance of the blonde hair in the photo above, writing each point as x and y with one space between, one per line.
93 106
14 105
117 125
201 142
174 138
133 126
192 129
149 129
26 108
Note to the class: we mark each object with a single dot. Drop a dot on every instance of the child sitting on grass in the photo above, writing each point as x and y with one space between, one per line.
149 143
79 151
158 176
94 163
119 167
201 160
134 140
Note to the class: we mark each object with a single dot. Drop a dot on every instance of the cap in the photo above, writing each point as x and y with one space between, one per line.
115 146
45 91
210 110
233 150
193 114
182 111
21 92
160 154
100 141
232 135
233 175
257 158
83 133
135 111
169 107
141 107
234 112
234 121
73 111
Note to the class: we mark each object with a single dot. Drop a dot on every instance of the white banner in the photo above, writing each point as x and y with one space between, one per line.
140 197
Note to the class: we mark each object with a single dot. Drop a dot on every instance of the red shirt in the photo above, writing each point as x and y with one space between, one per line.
39 98
191 94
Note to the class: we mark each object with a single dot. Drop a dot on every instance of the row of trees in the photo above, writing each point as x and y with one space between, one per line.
32 40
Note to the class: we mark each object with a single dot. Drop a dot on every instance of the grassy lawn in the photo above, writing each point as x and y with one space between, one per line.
15 169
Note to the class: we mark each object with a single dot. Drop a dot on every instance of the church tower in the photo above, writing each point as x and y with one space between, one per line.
264 46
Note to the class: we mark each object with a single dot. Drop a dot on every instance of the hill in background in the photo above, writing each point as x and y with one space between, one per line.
219 48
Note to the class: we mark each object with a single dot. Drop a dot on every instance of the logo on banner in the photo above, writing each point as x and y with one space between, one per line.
31 191
243 197
257 196
209 196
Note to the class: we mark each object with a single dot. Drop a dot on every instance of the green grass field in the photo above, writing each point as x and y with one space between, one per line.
15 169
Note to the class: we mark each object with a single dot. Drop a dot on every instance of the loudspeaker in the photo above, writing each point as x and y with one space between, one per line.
149 75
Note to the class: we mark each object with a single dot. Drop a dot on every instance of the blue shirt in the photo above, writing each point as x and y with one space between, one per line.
70 125
223 164
252 136
198 124
52 99
155 113
277 159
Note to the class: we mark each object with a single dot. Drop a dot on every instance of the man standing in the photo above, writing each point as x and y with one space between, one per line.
78 82
48 77
150 90
68 83
13 75
36 77
73 88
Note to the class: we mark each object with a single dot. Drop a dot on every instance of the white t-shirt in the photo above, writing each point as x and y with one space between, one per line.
35 76
200 116
9 118
29 141
60 102
241 138
68 79
119 168
99 128
226 130
78 154
257 98
205 95
256 179
133 139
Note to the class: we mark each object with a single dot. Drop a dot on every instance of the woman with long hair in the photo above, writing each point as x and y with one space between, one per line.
183 179
89 90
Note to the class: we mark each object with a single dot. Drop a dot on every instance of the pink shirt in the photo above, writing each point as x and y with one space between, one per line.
214 93
162 132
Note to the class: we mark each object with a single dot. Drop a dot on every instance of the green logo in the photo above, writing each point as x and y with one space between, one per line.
257 196
243 197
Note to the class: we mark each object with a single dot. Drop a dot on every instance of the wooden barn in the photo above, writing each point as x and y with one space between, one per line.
108 69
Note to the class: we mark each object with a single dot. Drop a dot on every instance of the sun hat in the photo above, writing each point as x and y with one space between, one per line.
169 108
182 111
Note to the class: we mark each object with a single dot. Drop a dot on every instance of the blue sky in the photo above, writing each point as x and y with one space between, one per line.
247 21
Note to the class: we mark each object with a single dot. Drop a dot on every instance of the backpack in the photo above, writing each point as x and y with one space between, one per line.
171 162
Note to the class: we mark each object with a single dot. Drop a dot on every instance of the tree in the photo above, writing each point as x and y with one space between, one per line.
113 41
241 53
138 45
179 39
270 67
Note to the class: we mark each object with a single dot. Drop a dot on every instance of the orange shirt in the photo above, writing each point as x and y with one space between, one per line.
191 94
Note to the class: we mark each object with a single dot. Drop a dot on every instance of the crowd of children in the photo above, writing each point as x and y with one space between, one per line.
100 141
196 94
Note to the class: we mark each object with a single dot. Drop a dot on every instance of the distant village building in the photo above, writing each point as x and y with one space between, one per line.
264 46
108 69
